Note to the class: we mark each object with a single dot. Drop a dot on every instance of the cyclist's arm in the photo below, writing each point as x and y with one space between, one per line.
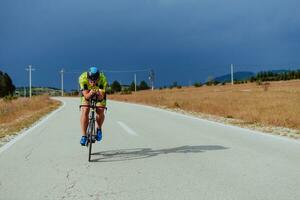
84 88
88 94
103 83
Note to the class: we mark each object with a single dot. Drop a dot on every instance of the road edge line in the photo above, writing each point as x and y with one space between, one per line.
25 132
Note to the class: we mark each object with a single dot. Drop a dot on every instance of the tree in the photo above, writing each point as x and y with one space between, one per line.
132 86
210 81
197 84
143 86
175 84
116 87
2 85
6 85
74 92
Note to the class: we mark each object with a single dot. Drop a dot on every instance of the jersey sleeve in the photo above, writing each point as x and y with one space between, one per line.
83 82
103 81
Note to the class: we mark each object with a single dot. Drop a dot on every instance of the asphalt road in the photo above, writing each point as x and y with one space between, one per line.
148 153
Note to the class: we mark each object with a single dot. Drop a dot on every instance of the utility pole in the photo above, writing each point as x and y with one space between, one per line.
151 78
135 82
24 92
231 74
30 69
62 82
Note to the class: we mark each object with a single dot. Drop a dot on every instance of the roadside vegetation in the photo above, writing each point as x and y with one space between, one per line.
282 75
19 113
272 103
6 85
116 87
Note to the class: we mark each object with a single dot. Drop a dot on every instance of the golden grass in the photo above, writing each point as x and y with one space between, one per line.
278 106
22 112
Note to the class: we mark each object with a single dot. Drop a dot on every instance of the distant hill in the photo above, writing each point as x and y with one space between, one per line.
239 76
24 91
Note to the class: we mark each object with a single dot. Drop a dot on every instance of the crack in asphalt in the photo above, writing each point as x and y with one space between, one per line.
28 155
68 175
69 186
97 196
87 166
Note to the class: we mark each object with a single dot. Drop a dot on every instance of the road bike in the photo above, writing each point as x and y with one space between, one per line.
91 130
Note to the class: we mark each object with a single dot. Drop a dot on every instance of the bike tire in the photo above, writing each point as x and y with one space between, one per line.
88 135
91 139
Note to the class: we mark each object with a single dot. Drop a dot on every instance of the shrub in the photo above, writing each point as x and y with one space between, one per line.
108 90
258 82
126 91
176 104
9 98
266 86
197 84
143 86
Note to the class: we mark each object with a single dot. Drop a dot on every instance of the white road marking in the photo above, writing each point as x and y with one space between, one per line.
127 129
26 132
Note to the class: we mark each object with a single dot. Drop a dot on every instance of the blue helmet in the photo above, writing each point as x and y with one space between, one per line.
93 74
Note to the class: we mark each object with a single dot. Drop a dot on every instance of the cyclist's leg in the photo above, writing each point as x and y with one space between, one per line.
100 119
84 118
101 105
100 116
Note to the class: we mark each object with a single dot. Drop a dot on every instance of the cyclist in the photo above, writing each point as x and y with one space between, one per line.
92 84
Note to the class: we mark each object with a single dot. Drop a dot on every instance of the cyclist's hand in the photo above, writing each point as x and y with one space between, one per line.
99 94
92 93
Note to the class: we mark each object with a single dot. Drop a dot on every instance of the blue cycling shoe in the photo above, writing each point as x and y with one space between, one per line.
83 140
99 135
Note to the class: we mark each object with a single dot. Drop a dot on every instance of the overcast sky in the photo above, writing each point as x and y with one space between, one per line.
182 40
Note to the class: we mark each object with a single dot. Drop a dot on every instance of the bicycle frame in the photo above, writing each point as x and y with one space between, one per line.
91 130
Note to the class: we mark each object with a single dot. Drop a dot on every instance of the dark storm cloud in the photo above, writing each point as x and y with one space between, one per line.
188 40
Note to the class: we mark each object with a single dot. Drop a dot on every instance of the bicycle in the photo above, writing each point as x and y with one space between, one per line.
91 130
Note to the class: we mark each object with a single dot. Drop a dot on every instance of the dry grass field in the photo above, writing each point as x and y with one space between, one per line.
277 104
21 113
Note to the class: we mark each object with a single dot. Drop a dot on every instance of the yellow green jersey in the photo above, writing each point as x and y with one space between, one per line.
85 85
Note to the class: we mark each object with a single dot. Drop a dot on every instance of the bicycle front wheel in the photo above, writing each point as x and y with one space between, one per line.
90 138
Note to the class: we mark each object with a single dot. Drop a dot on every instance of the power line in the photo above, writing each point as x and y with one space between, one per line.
126 71
73 72
109 71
